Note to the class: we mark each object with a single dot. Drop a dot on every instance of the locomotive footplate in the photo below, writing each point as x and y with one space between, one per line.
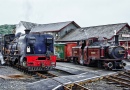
39 68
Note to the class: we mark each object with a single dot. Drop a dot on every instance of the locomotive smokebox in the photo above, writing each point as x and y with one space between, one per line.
27 31
116 40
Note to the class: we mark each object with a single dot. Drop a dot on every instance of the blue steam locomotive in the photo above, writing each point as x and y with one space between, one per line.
34 51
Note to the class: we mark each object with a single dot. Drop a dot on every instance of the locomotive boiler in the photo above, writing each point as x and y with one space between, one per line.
35 51
94 52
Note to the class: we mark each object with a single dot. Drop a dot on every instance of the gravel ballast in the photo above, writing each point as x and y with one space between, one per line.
13 84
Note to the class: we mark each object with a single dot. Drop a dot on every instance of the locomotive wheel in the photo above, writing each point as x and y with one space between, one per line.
81 62
71 61
24 63
10 63
15 62
99 64
75 60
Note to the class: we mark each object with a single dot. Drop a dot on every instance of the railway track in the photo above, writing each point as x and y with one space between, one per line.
121 79
35 74
80 85
45 75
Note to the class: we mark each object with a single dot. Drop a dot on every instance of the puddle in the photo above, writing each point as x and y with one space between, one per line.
2 67
16 76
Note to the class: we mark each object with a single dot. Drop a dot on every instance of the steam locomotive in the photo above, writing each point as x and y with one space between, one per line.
33 51
94 52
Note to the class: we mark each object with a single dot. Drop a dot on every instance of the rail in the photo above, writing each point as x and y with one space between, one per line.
121 78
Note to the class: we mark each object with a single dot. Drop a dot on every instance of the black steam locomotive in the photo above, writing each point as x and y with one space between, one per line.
95 52
34 51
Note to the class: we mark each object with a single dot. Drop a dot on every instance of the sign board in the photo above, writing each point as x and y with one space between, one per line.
125 35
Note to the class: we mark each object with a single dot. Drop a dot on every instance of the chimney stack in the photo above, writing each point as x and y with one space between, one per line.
116 38
27 31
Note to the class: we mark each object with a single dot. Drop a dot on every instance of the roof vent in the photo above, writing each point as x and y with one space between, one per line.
114 32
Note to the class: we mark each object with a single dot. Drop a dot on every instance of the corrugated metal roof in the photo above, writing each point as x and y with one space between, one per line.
28 25
52 26
93 31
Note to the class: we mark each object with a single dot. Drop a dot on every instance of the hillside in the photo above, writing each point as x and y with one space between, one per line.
6 29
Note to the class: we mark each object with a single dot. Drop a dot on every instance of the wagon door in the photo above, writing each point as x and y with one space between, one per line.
69 50
60 51
76 52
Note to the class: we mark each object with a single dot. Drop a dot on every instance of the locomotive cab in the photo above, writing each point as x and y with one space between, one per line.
6 40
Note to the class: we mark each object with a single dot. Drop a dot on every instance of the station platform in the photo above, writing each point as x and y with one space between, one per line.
70 70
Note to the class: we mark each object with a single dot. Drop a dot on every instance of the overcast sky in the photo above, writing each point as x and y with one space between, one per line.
83 12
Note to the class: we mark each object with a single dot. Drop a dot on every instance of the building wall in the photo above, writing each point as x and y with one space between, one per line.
124 38
20 28
124 34
63 32
66 30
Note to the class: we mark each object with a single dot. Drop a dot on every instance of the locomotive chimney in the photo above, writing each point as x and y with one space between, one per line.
27 31
116 39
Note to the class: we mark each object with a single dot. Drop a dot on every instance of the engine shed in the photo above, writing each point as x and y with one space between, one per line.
102 31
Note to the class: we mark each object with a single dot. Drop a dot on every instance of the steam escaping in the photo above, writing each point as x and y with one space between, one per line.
27 10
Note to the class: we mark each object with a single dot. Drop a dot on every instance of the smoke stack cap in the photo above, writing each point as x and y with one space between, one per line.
27 31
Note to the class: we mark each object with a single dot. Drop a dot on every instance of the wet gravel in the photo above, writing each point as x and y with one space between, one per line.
6 70
13 84
19 84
